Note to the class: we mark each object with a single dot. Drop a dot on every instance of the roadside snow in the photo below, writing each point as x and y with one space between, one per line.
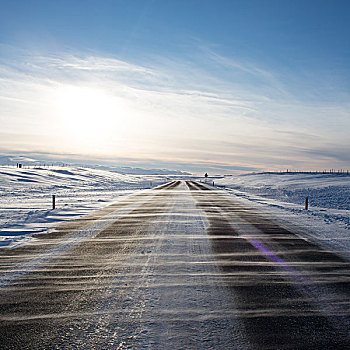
283 196
26 196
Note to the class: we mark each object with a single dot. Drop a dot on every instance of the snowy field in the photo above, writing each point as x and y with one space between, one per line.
26 199
26 196
282 196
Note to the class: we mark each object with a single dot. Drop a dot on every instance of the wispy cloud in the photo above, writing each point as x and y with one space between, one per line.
237 115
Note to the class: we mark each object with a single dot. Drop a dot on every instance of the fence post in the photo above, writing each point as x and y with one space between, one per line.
306 202
53 201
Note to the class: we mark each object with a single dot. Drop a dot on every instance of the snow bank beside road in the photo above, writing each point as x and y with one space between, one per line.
324 190
26 196
283 196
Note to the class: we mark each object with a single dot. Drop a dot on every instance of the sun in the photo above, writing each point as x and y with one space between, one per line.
88 113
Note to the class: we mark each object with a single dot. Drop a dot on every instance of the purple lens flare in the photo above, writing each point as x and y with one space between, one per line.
257 244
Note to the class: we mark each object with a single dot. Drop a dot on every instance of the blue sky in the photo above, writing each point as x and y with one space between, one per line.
191 84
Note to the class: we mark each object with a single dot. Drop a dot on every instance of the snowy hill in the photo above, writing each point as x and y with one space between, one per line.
324 190
32 160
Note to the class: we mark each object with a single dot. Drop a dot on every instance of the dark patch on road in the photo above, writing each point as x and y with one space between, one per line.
168 186
278 308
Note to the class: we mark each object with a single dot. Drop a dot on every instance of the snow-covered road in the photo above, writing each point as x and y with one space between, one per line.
178 267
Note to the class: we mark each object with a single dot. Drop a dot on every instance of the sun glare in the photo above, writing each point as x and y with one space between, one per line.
89 114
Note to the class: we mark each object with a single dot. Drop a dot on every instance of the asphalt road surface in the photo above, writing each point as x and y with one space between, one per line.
182 266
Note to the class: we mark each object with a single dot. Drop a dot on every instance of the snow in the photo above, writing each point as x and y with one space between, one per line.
282 196
170 283
26 199
26 196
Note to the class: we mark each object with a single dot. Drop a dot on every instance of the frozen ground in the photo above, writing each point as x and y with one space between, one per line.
282 196
26 196
180 267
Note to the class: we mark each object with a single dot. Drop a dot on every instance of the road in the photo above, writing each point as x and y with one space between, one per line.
181 266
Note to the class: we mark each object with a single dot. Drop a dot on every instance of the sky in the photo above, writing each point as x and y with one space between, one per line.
221 86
